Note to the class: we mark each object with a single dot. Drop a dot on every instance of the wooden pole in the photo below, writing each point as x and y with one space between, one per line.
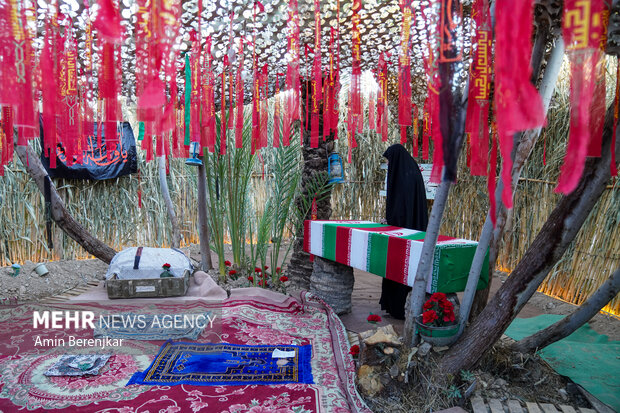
524 149
165 192
203 220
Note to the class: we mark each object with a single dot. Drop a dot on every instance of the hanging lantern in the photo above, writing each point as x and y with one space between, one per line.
194 150
334 168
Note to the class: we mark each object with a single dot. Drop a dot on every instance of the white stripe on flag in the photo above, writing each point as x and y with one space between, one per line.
415 252
401 232
359 249
316 238
458 241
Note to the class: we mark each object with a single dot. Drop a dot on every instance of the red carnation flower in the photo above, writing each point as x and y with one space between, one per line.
260 283
284 278
232 272
354 350
448 317
266 267
278 270
428 305
251 279
429 316
438 296
257 269
166 266
227 263
374 318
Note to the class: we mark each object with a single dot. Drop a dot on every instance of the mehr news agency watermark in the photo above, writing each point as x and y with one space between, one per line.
64 320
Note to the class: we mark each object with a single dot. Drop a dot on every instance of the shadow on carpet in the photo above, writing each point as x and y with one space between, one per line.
586 357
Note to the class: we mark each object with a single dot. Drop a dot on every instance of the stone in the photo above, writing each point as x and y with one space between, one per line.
440 349
382 337
388 351
333 283
394 371
424 349
369 380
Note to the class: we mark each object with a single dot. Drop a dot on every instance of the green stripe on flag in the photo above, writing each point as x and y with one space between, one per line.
419 235
377 253
329 242
329 237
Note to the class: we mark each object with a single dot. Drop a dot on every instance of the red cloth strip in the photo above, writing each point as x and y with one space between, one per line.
518 104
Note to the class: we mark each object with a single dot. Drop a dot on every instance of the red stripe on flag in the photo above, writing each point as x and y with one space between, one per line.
307 236
395 265
380 229
343 244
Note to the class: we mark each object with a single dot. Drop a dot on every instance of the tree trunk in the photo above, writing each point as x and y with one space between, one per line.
565 327
492 236
545 251
60 215
416 297
315 161
163 184
203 220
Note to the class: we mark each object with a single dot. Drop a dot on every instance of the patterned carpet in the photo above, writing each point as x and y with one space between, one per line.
250 317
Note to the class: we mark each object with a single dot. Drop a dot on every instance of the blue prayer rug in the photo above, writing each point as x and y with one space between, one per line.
134 326
227 364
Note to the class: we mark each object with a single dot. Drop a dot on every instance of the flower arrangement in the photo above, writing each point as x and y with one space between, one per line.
354 350
374 318
166 273
438 311
284 279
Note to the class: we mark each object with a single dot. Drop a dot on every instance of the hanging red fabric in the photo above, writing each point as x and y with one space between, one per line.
404 72
426 128
491 176
25 119
255 107
108 21
519 106
479 86
371 111
264 115
329 95
240 100
208 90
223 112
356 70
8 39
7 131
49 95
317 78
382 111
276 114
292 72
70 114
438 164
414 139
582 29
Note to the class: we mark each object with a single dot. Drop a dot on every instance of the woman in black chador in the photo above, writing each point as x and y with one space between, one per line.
405 207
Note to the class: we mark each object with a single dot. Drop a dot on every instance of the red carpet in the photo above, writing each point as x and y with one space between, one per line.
250 316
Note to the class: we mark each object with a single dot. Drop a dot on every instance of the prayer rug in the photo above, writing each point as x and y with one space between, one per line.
138 326
228 364
252 316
